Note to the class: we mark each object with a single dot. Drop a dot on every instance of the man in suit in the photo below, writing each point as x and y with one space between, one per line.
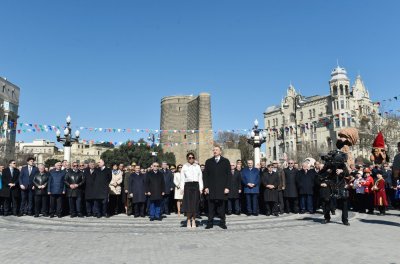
102 180
169 187
89 176
305 180
10 191
217 174
27 187
155 186
251 183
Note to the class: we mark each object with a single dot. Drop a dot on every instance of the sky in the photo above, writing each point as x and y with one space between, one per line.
109 63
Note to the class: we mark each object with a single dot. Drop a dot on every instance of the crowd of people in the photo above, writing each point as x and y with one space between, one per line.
192 189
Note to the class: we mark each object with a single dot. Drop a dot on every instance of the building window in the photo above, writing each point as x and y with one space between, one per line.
313 113
301 115
341 89
337 122
269 124
310 112
349 121
334 90
341 104
347 89
291 145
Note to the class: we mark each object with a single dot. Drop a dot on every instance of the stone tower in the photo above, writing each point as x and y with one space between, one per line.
9 104
186 124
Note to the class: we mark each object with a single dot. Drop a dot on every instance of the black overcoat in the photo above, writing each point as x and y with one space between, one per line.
137 187
270 195
101 183
7 178
290 181
155 184
216 178
306 181
89 184
72 177
235 184
39 180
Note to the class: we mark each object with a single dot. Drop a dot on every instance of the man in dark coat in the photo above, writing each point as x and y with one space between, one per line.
74 182
305 181
216 184
270 180
26 185
169 186
281 187
235 188
137 191
290 192
56 190
90 175
103 177
10 190
40 181
251 187
155 187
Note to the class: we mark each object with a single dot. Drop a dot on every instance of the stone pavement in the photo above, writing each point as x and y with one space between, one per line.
122 239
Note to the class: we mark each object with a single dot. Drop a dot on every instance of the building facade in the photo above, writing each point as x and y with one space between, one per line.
39 149
9 103
186 125
309 125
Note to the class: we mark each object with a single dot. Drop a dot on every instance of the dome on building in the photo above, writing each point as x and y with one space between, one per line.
339 74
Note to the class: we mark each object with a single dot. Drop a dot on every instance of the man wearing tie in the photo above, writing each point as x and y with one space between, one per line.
26 185
10 188
217 174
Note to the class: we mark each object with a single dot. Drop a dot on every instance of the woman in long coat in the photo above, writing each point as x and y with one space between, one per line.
137 191
270 181
380 194
178 194
115 189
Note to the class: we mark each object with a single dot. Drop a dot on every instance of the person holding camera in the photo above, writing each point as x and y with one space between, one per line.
334 184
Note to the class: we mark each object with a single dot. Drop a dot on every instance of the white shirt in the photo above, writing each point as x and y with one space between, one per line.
191 173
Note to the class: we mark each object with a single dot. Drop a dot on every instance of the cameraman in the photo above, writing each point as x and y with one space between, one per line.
334 185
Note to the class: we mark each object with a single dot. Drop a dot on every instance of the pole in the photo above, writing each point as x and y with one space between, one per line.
256 155
67 153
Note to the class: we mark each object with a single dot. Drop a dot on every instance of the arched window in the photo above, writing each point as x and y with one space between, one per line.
334 90
341 89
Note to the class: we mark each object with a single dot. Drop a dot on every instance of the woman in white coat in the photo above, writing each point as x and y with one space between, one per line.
192 184
178 194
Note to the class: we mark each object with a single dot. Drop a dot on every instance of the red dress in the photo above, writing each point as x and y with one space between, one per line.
380 194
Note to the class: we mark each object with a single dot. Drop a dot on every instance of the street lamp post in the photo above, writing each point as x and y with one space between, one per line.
67 140
153 138
256 138
298 102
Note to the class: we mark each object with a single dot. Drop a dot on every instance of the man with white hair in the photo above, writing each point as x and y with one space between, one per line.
305 181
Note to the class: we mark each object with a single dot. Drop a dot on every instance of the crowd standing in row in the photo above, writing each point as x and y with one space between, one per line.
218 186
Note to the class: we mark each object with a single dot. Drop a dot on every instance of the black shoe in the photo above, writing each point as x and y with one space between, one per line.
209 225
107 216
333 212
59 216
36 215
151 219
255 214
45 215
276 214
237 213
19 215
159 219
302 212
80 215
136 216
346 223
223 226
229 213
248 214
72 216
51 215
268 214
325 221
30 214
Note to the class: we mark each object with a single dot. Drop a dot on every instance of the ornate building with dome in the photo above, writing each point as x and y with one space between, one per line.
309 124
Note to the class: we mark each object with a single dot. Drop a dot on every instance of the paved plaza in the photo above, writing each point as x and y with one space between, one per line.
123 239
